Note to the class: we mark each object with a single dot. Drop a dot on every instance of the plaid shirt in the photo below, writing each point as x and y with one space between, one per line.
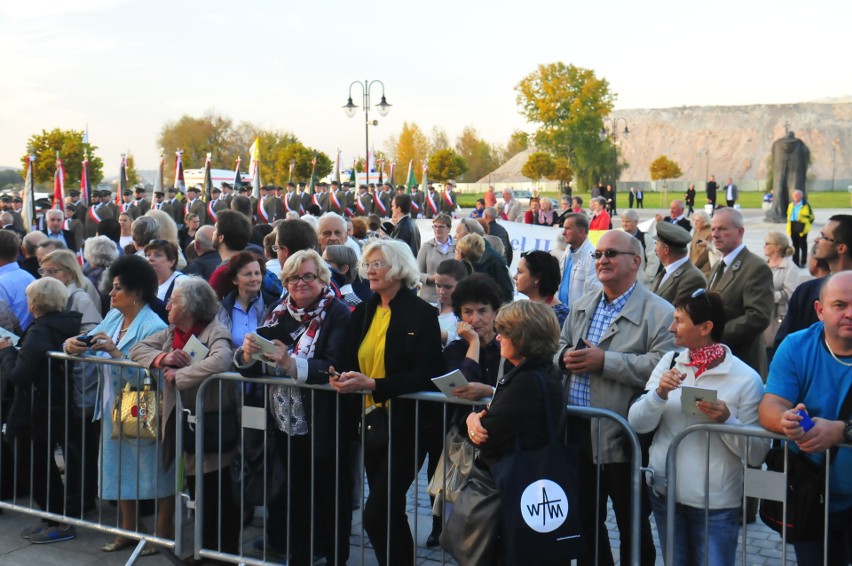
605 314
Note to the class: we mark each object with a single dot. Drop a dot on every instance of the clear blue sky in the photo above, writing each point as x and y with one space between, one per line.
127 67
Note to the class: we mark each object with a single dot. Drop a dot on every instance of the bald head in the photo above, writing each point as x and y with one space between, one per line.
618 239
835 283
32 241
204 239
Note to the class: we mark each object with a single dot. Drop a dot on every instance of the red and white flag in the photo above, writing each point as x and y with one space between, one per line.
84 180
59 185
180 185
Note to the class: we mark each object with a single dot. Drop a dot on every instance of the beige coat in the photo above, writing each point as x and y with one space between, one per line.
188 380
633 346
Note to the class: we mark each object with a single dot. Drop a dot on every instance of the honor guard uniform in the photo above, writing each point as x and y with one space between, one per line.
194 205
432 203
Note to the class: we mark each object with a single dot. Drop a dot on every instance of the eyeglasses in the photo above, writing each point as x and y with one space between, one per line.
439 226
275 248
374 265
822 236
609 254
48 272
307 278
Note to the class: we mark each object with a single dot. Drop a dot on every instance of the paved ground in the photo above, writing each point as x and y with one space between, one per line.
762 545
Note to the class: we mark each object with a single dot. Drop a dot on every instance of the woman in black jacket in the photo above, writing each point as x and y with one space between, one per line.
39 387
393 348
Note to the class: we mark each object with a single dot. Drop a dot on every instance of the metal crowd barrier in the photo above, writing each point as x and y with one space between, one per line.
757 483
254 417
70 436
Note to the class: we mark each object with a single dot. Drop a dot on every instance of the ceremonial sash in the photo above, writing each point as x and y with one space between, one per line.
335 201
261 211
432 204
287 203
449 200
93 214
315 200
382 208
210 210
414 205
186 207
360 205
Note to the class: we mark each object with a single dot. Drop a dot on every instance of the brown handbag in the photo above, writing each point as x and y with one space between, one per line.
135 413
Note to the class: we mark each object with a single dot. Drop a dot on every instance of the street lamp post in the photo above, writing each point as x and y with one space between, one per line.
603 135
351 108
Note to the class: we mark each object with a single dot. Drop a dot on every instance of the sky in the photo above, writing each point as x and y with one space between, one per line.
125 68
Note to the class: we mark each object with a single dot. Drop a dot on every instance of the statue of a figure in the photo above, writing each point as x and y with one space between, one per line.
790 157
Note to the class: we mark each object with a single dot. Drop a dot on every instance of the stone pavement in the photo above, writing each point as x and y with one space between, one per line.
763 545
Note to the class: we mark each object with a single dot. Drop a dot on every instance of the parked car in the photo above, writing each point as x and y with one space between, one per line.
523 196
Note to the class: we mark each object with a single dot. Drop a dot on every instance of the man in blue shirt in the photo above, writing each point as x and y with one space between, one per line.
13 279
812 372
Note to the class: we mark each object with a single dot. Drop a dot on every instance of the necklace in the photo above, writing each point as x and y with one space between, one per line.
833 355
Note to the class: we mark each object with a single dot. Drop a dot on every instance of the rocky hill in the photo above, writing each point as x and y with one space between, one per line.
726 141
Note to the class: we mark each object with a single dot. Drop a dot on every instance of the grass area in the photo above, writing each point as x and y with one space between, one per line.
829 199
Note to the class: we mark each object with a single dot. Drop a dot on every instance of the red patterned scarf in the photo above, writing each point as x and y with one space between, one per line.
701 358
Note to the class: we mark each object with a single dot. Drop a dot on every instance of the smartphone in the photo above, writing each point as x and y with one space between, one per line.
87 340
581 345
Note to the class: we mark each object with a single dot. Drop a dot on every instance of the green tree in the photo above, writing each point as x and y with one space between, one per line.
518 142
196 137
411 144
10 177
562 172
477 153
568 104
216 134
538 166
446 164
664 168
302 168
439 140
130 169
69 144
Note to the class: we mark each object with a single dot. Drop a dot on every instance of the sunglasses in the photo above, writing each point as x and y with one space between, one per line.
609 254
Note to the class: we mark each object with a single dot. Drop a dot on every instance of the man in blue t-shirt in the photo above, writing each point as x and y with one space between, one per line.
812 372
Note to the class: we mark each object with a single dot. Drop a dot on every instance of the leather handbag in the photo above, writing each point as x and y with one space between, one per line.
805 497
135 413
453 467
471 534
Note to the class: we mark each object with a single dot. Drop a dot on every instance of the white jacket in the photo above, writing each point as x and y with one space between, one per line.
584 278
741 388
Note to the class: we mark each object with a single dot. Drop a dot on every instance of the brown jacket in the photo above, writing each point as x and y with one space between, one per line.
188 380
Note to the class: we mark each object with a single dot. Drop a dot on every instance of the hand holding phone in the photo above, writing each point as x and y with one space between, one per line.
806 422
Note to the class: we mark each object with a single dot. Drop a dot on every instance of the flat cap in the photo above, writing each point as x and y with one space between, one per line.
673 235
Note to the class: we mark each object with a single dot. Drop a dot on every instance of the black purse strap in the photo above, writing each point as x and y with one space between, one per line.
552 424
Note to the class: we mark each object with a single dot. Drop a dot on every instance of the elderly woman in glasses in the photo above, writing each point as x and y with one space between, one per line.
308 329
432 253
393 347
702 362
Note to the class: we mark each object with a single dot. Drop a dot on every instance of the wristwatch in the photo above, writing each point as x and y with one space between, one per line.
847 431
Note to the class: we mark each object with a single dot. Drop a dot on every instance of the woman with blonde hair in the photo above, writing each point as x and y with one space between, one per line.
785 279
63 265
393 347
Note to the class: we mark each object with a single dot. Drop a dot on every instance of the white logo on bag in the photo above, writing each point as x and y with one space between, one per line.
544 506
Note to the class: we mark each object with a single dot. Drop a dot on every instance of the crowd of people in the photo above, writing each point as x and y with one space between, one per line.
341 285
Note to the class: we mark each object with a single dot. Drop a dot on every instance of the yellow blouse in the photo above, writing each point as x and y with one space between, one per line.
371 353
